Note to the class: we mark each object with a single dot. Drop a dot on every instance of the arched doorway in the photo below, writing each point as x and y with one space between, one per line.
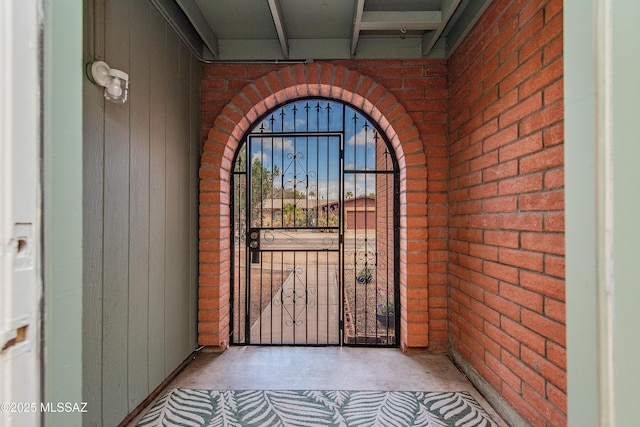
231 125
315 229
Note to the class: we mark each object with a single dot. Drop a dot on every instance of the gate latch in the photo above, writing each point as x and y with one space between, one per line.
254 245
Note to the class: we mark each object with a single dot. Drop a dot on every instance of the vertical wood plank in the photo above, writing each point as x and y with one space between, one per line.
139 205
185 143
92 226
116 224
157 199
194 145
172 207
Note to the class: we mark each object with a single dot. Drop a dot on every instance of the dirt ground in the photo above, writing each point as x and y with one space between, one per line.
265 283
361 300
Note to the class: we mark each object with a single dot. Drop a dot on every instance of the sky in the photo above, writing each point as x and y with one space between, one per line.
315 160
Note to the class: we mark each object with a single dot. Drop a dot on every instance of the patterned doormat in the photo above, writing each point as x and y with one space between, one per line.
314 408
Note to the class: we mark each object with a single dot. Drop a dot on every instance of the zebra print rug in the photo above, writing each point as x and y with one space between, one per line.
314 408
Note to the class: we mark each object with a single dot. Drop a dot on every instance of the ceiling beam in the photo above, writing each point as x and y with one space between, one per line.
276 13
201 24
357 19
430 39
392 21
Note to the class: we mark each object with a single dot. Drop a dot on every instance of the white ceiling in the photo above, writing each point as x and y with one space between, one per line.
253 30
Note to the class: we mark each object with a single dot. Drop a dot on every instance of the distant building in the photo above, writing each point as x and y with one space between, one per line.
359 212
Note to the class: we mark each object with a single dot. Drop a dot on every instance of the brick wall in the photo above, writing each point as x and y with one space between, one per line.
409 100
506 201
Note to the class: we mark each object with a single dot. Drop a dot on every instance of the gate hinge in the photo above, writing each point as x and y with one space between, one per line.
341 324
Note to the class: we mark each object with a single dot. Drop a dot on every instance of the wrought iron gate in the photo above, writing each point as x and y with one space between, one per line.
315 221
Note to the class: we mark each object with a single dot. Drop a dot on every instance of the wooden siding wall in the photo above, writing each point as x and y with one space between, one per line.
140 209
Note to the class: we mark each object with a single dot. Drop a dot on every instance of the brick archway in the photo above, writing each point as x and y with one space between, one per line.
254 100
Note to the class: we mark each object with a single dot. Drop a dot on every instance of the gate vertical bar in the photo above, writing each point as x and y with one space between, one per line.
247 262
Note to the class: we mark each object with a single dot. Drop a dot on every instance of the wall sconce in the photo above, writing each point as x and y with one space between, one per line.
115 82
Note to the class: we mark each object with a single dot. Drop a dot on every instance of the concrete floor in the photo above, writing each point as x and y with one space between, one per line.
325 368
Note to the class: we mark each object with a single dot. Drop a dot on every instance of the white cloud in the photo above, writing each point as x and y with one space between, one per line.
281 144
359 138
264 159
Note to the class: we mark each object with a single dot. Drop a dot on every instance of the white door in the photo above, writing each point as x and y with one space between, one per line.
20 284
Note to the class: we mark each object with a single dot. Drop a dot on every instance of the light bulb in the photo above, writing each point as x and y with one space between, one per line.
115 82
117 86
114 88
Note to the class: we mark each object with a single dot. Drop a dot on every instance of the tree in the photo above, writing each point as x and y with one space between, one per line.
349 195
261 189
294 216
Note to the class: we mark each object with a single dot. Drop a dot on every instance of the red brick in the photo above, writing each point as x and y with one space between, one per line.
484 131
483 161
473 291
542 79
499 271
529 24
500 204
470 179
546 159
504 373
521 110
502 104
547 328
505 69
543 118
553 93
522 259
486 283
554 179
483 221
483 191
557 397
554 266
544 285
554 222
555 310
507 342
500 171
524 72
529 413
467 153
544 407
557 355
543 242
522 147
521 184
507 239
553 49
507 30
547 201
521 296
503 306
523 222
